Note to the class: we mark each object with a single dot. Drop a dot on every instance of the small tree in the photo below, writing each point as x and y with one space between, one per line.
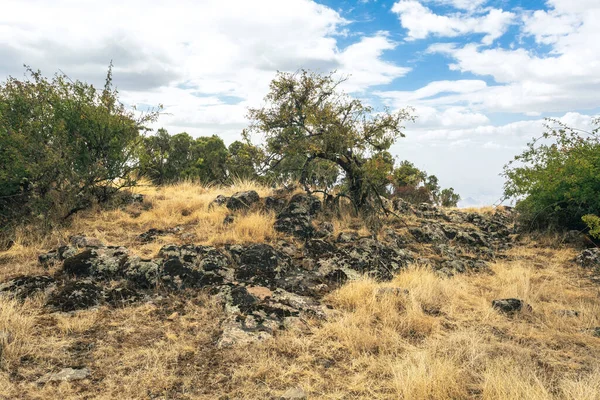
64 144
448 198
307 119
556 180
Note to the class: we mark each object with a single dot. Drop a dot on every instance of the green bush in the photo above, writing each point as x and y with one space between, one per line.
63 145
556 180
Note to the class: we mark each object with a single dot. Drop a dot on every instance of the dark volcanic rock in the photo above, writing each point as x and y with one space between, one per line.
296 219
76 295
261 264
106 262
242 200
192 266
589 258
428 233
22 287
220 200
55 256
510 306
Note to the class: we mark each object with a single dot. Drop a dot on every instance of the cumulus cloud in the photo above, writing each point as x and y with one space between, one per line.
421 22
206 61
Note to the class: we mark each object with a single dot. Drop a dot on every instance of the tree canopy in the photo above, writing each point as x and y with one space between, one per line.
310 125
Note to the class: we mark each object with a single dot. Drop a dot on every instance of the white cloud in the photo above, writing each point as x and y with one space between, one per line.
421 22
205 60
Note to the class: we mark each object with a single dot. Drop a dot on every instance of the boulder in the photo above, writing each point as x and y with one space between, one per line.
142 273
192 266
22 287
65 375
510 306
76 295
220 200
589 258
242 200
261 264
105 262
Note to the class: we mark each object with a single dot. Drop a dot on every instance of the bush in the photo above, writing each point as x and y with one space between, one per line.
556 181
63 145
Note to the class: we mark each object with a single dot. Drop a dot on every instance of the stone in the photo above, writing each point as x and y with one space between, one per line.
310 203
295 393
65 375
220 200
229 219
510 306
142 273
22 287
84 241
390 291
276 204
76 295
589 258
347 237
151 234
242 200
261 265
566 313
260 292
106 262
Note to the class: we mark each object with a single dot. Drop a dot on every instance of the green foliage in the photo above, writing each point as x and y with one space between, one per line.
415 186
593 224
556 180
448 198
168 159
313 129
63 144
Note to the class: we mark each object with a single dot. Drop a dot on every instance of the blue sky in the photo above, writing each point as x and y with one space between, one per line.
480 74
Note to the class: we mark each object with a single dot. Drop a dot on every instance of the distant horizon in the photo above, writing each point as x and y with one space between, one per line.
482 75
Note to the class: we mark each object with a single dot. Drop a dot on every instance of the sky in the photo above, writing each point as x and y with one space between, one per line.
481 75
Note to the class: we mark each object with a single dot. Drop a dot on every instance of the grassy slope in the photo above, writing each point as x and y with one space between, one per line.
441 341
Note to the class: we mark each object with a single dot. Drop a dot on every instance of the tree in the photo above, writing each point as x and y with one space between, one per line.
64 144
307 119
556 180
448 198
244 160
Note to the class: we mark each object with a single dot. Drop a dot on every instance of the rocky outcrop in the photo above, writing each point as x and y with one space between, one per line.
265 287
242 200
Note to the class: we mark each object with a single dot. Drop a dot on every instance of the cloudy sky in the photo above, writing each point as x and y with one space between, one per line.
481 74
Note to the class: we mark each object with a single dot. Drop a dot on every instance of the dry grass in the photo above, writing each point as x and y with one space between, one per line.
438 340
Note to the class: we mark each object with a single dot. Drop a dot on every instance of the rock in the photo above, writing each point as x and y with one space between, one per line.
54 256
76 295
276 204
589 258
310 203
22 287
84 241
428 233
390 291
151 234
220 200
242 200
296 224
510 306
106 262
261 264
122 295
595 331
142 273
65 375
229 219
347 237
296 393
260 292
192 266
137 198
566 313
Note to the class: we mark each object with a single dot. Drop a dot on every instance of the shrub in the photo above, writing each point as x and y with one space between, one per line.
63 145
556 180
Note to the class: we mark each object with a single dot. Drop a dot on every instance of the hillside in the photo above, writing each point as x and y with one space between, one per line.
191 292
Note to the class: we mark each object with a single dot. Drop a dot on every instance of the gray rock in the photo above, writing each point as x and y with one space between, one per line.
105 262
589 258
242 200
22 287
220 200
65 375
76 295
296 393
510 306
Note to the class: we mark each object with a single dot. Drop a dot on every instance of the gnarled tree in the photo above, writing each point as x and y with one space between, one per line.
307 119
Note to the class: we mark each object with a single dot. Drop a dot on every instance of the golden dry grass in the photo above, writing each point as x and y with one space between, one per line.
439 340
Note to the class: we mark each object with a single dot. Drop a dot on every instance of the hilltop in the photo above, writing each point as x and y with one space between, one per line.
194 292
